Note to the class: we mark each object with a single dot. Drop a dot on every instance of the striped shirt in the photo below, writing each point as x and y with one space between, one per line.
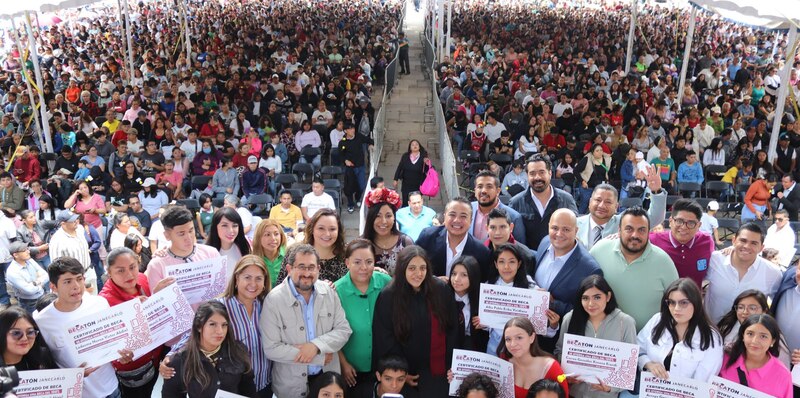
246 330
65 245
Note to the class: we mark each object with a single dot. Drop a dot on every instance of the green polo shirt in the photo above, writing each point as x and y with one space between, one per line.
640 285
359 311
274 266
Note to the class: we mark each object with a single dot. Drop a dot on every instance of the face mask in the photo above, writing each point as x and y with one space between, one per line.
207 150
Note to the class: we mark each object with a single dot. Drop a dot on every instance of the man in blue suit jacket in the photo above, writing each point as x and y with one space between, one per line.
487 191
561 264
445 243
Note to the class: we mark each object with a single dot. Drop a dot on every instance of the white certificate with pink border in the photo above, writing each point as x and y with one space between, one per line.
500 371
51 383
675 387
498 304
202 280
724 388
168 315
96 338
591 359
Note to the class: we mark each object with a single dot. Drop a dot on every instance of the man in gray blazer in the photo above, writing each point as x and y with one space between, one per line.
603 219
487 191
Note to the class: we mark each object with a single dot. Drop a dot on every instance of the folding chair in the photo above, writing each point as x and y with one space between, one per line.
716 188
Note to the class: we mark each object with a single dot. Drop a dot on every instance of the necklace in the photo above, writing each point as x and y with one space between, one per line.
210 354
390 247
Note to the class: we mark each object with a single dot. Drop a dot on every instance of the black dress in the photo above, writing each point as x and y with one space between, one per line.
417 348
412 174
227 375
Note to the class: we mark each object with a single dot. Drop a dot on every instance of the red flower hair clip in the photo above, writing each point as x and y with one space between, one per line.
384 195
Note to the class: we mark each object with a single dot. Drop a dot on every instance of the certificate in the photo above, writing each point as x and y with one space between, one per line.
225 394
498 304
200 280
591 359
168 315
796 375
52 383
676 387
724 388
500 371
96 338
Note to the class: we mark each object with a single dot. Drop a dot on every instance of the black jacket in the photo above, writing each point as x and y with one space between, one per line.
227 375
536 226
434 241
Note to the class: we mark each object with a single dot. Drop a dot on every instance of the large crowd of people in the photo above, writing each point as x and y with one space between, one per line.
649 220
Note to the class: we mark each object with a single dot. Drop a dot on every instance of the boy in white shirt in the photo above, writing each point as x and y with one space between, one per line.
72 303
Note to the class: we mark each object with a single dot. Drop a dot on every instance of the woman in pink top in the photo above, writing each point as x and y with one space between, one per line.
252 138
753 359
88 203
170 179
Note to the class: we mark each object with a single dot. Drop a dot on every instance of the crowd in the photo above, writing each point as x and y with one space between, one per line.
170 165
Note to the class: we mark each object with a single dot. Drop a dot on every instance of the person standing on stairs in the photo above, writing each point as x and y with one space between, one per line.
405 69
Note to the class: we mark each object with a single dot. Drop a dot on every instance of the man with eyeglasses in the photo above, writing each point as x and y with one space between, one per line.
732 272
637 271
25 277
688 248
781 237
303 325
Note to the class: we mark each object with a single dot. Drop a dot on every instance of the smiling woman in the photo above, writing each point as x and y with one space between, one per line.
23 347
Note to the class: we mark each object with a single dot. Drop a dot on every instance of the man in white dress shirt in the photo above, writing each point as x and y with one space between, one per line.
781 237
742 269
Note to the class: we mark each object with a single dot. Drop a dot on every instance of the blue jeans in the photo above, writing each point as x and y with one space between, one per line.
317 161
585 195
4 297
360 173
115 394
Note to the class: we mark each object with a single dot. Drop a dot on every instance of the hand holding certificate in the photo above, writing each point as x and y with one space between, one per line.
498 304
200 280
97 338
500 371
592 359
53 383
675 387
168 315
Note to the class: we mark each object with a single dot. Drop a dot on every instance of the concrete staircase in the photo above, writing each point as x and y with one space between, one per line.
409 113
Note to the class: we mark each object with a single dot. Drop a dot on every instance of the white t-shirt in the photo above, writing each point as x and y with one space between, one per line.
157 234
708 224
493 132
52 324
247 221
314 203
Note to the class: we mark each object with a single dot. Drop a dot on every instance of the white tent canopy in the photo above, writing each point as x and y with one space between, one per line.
766 14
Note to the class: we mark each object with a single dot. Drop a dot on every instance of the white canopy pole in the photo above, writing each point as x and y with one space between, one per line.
187 40
782 93
631 32
128 27
37 71
24 72
449 42
686 51
440 28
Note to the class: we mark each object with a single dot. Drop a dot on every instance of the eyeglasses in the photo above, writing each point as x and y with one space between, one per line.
305 268
681 222
748 308
680 303
780 219
17 334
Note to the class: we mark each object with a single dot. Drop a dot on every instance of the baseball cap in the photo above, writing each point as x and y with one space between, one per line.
713 205
66 216
17 247
252 159
149 181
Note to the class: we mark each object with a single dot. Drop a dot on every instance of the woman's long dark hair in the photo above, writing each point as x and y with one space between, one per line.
714 146
193 361
577 325
50 202
403 294
326 379
231 215
699 322
521 277
474 275
730 319
765 320
372 214
39 356
422 152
